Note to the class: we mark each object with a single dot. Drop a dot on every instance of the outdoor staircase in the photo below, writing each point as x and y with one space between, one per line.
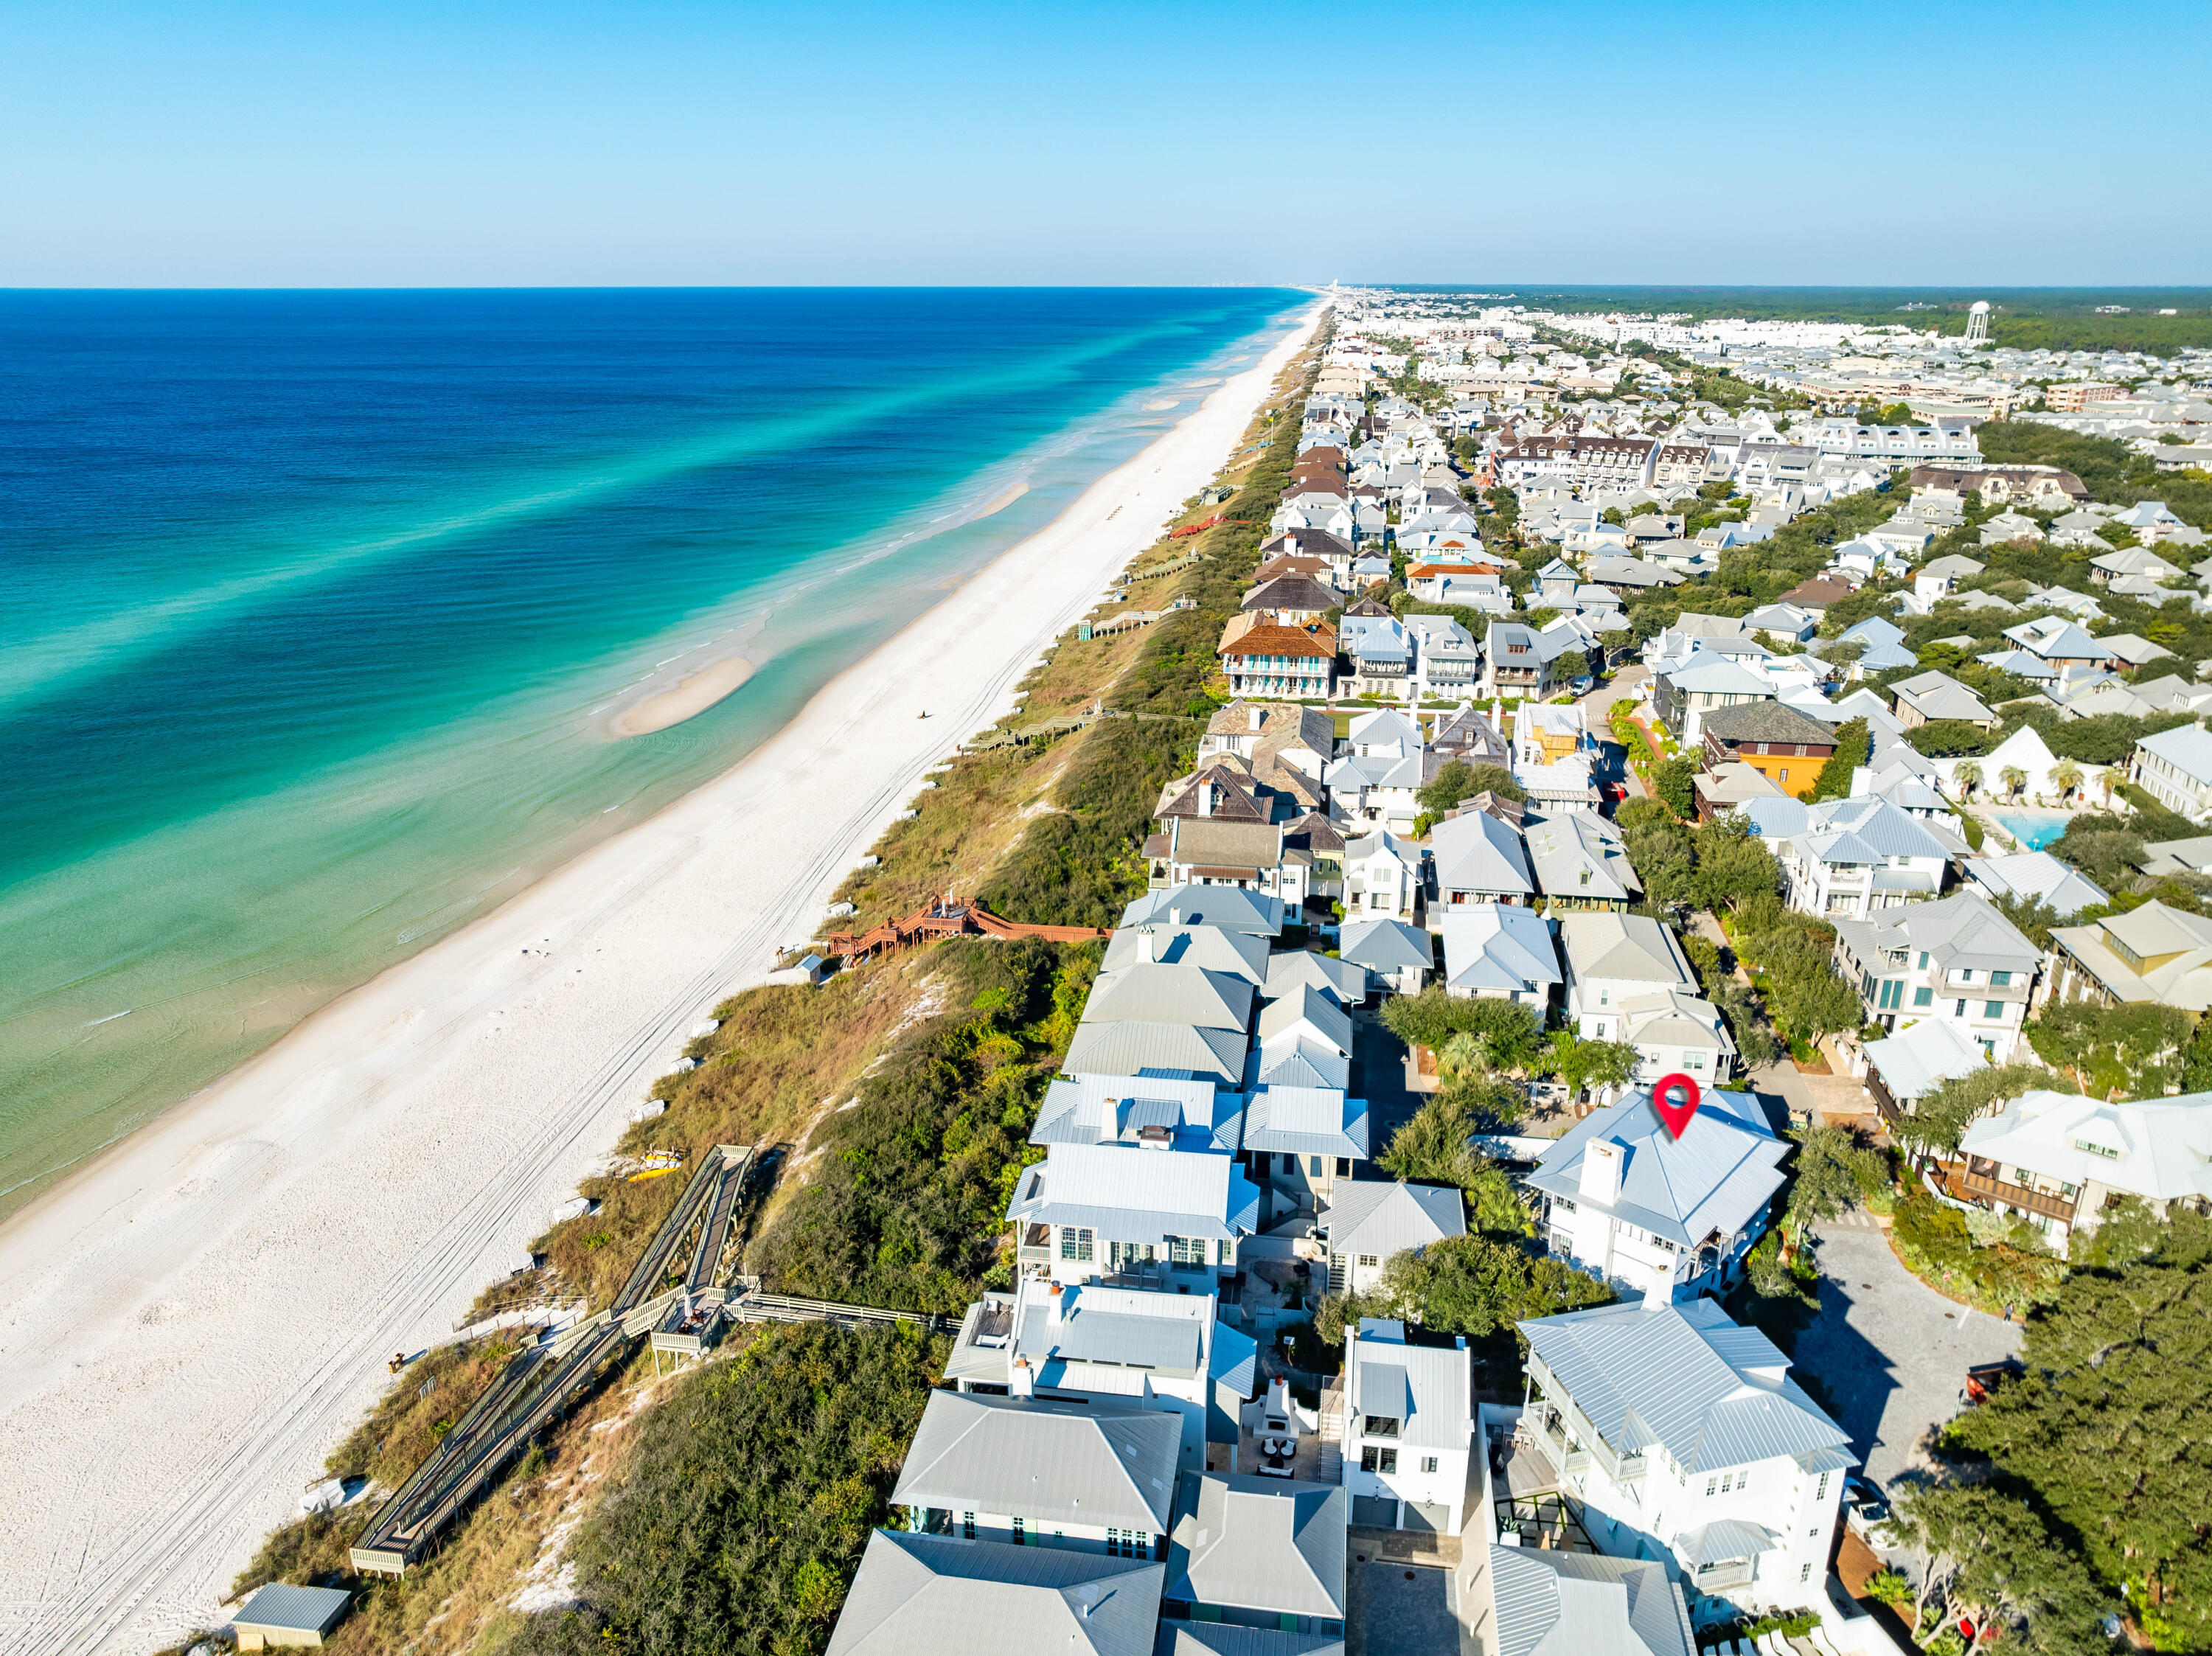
1330 1437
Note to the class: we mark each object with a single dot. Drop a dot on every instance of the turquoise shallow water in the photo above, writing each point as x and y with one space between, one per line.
307 602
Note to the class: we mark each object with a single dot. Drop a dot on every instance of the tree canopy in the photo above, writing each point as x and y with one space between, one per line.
1853 744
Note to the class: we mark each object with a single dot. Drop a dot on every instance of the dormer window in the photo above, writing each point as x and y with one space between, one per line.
2093 1148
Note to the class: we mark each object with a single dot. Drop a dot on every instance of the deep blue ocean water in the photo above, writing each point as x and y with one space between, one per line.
307 601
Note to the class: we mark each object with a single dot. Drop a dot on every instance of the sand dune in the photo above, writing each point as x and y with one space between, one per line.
189 1324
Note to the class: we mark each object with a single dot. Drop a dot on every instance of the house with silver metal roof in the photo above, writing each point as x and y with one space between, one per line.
1548 1603
1154 992
2036 877
1305 1040
1140 1218
1687 1441
1628 980
1849 859
2156 954
1408 1424
1958 960
1492 952
1255 914
2175 768
1126 1347
1164 1112
1654 1215
1258 1552
1209 948
2058 1160
1300 1141
1480 859
1580 861
1073 1475
941 1595
1397 954
1367 1222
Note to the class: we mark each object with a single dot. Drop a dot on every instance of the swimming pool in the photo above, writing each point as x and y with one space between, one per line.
2034 830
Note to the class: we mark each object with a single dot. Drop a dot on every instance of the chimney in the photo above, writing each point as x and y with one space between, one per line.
1021 1382
1175 915
1148 947
1603 1162
1206 791
1257 718
1059 1303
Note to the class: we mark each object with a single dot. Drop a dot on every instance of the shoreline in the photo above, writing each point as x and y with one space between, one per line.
226 1280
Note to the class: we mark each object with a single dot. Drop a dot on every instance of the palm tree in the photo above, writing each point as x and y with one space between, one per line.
2014 778
2108 778
2066 777
1967 774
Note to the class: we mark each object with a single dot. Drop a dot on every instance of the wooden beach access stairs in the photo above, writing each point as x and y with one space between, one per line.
945 917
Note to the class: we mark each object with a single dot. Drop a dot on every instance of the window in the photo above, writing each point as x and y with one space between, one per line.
2095 1149
1428 1463
1993 1009
1187 1250
1820 1490
1021 1535
2000 979
967 1527
1805 1571
1725 1479
1344 1167
1128 1544
1379 1425
1784 776
1964 975
1924 997
1076 1243
1960 1011
1711 1483
1370 1259
1313 1167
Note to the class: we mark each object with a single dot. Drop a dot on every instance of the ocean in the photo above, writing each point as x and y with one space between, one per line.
315 608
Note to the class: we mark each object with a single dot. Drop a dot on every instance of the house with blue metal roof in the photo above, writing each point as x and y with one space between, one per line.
1654 1215
1687 1443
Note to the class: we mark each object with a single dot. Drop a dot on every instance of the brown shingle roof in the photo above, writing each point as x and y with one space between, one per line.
1766 721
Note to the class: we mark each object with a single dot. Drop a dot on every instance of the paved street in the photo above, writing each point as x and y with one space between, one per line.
1892 1352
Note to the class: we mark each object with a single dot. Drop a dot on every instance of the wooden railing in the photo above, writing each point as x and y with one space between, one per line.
1967 1184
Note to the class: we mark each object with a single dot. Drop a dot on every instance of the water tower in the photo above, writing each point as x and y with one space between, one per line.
1978 323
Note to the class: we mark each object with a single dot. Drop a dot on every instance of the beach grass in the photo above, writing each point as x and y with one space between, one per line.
903 1090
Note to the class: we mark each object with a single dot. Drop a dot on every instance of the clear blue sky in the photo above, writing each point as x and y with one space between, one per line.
217 142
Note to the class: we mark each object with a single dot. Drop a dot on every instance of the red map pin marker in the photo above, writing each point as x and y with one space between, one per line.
1675 1098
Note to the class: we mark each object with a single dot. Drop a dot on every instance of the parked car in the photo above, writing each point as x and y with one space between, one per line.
1867 1512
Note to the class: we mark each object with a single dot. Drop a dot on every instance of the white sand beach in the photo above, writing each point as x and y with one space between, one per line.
189 1324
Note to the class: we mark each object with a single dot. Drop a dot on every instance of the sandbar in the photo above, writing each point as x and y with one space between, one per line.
1164 403
189 1323
1002 501
687 699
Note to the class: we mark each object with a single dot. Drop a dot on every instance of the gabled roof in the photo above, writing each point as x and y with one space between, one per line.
1229 907
1075 1463
1766 721
1938 695
1383 1219
1631 947
2053 637
1123 1047
1150 992
1963 931
1137 1195
1204 946
937 1595
1498 946
2187 747
1719 1176
2036 874
1263 1544
1386 946
1710 675
1924 1055
2157 1148
1095 1109
1548 1603
1475 851
1682 1376
1427 1389
1306 1121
